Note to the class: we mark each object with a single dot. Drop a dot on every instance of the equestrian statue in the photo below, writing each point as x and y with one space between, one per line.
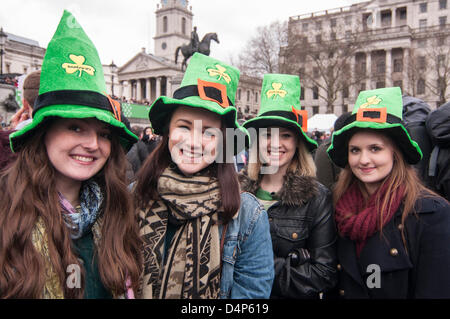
196 46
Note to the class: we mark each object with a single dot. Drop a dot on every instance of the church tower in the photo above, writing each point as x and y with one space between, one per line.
173 27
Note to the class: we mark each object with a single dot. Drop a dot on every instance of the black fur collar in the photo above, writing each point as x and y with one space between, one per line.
296 191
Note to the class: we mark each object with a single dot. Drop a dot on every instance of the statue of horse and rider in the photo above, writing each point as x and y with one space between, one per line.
196 46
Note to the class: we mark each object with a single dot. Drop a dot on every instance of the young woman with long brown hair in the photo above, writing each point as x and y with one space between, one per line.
202 237
281 174
67 223
394 232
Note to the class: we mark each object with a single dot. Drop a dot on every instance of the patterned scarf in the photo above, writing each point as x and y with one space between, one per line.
192 268
359 219
81 220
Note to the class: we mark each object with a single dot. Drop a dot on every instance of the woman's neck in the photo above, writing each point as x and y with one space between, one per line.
273 182
70 189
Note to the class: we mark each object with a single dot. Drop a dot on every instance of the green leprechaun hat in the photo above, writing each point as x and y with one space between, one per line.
207 83
280 106
72 85
379 109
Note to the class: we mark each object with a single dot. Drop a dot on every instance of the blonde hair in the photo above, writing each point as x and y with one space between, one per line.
301 164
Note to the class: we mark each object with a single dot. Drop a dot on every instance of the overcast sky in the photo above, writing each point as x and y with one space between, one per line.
119 29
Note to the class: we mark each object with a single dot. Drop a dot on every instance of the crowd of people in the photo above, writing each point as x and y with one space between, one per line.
92 208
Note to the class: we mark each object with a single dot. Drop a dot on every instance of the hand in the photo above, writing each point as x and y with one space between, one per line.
21 115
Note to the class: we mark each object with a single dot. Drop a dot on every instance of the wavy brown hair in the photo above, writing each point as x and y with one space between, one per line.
29 194
155 164
403 176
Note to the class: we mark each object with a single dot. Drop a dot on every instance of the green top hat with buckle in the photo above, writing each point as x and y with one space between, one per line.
379 109
207 83
72 85
280 106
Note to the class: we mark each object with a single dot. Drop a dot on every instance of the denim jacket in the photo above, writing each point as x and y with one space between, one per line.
247 260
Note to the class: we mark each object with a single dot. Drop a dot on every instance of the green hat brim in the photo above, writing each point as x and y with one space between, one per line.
161 110
267 121
338 150
18 138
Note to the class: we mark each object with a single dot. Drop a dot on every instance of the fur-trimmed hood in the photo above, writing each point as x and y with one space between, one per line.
296 190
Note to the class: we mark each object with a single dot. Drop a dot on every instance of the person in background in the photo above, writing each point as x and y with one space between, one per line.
30 93
281 174
142 149
203 238
393 231
327 171
67 223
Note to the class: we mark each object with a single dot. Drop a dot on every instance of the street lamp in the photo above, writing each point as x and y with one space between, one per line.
113 69
3 37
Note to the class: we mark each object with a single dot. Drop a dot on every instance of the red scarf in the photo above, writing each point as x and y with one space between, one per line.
359 219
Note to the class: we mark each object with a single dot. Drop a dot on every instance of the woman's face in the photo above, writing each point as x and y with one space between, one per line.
277 147
77 148
194 138
371 158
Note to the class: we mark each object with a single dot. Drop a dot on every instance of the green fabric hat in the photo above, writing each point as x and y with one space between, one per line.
280 106
207 83
379 109
72 85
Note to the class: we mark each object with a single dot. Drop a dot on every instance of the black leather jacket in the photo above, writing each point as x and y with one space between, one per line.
303 237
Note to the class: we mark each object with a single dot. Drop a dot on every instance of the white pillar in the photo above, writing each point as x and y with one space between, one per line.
388 80
369 70
147 90
158 87
169 87
138 90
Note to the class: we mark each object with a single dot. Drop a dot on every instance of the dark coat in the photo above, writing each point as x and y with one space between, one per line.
327 171
386 267
303 237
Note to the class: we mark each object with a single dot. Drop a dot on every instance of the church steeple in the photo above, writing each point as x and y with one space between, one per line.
173 27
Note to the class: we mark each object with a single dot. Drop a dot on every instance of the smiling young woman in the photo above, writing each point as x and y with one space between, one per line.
203 238
281 174
67 223
385 216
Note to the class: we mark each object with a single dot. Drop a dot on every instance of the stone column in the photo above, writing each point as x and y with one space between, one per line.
121 89
169 87
158 87
138 90
369 70
388 79
405 73
148 90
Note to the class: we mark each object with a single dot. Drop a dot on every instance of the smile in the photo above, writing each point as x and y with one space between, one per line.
367 169
83 158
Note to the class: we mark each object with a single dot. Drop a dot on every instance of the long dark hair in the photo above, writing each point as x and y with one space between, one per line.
29 195
147 178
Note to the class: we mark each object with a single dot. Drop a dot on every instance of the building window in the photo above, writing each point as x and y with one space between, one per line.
440 40
333 23
381 66
345 108
421 86
422 43
301 72
386 18
183 25
248 96
305 26
315 93
398 65
442 4
302 94
316 72
239 94
422 62
319 25
399 84
256 97
348 20
348 34
333 36
422 23
165 24
442 21
318 38
423 7
315 110
345 92
441 60
380 85
362 87
402 13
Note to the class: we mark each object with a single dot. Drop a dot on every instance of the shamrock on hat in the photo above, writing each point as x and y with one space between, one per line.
280 106
72 85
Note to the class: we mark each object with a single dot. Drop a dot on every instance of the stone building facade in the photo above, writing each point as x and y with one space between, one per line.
408 45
